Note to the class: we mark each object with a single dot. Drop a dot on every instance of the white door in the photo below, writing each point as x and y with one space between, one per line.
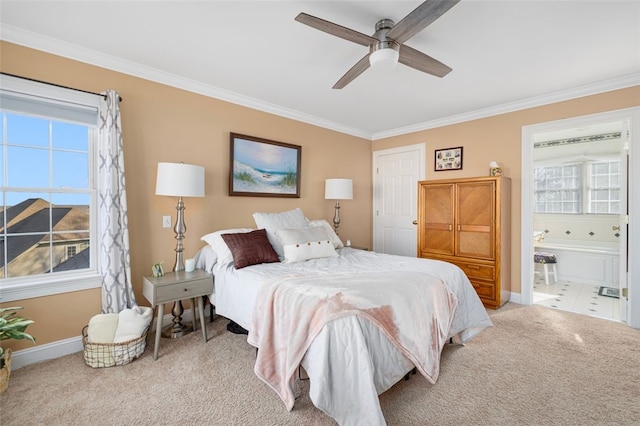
396 173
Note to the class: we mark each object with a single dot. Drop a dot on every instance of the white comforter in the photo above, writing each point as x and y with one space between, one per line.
350 361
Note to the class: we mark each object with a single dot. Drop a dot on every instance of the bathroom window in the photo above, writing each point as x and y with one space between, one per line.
586 187
604 189
558 189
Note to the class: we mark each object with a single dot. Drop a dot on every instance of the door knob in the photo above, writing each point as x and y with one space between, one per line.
415 222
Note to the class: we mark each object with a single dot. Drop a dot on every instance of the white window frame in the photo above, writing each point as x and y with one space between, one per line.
19 288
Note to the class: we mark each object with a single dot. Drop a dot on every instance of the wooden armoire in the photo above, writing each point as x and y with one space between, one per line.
467 222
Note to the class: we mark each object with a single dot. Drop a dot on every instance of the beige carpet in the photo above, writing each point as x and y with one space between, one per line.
536 366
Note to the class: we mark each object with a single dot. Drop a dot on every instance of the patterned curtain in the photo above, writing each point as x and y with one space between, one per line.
115 262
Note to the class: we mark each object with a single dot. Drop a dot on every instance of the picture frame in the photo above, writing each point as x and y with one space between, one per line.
263 168
157 271
448 159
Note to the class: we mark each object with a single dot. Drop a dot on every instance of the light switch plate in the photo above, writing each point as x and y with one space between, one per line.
166 221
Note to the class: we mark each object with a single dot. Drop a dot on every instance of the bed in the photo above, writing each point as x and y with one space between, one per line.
356 321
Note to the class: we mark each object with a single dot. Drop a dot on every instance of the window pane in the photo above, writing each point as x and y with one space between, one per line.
615 167
601 181
2 183
70 170
13 199
27 212
600 168
28 167
70 136
28 262
63 245
25 130
600 195
73 212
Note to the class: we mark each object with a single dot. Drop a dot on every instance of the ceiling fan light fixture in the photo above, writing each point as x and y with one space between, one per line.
384 56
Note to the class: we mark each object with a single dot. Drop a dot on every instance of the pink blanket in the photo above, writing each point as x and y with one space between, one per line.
413 309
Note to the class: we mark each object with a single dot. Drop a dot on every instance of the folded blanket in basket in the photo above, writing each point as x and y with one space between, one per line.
102 328
132 323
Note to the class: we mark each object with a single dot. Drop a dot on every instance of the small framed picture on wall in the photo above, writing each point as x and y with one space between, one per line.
448 159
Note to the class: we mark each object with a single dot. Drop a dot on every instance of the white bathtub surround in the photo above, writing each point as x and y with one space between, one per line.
582 261
578 227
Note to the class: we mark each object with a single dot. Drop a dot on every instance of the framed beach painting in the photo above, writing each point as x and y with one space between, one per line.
264 168
448 159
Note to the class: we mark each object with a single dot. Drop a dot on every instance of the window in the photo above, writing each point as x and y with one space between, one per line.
48 229
605 188
557 189
587 187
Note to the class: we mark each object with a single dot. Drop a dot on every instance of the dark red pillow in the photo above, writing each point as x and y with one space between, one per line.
250 248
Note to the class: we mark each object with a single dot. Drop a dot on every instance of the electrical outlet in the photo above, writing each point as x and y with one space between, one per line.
166 221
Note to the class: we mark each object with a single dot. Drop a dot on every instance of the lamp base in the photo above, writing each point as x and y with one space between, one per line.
174 331
178 328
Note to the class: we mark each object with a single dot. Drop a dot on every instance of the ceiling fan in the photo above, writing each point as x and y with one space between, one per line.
386 45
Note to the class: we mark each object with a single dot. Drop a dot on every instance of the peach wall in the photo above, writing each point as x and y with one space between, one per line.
161 123
499 138
166 124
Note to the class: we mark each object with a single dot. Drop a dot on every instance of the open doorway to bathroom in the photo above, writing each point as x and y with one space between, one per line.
579 193
575 262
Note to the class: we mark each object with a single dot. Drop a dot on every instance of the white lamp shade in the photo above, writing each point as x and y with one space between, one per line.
338 189
180 180
384 59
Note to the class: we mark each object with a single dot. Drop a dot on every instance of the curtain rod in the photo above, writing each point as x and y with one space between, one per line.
57 85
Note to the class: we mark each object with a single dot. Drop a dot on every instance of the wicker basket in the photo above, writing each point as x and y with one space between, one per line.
98 355
5 372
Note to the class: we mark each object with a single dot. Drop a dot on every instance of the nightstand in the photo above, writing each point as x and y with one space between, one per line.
176 286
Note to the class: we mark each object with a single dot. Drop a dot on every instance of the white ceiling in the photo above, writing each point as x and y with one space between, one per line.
505 55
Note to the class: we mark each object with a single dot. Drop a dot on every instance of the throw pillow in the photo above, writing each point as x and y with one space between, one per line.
250 248
337 242
310 250
274 221
216 242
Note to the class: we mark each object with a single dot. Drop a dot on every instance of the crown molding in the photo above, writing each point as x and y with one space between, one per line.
37 41
549 98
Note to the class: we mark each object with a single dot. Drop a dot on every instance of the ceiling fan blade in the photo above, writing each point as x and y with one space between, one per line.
360 67
425 63
335 29
419 19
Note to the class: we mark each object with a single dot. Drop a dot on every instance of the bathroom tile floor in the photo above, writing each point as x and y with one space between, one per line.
575 297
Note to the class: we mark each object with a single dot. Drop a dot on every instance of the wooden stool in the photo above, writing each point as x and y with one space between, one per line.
546 259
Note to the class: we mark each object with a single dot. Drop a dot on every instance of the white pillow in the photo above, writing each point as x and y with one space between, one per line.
310 250
301 235
274 221
219 246
337 242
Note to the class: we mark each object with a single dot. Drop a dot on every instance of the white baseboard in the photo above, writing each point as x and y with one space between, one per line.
71 345
516 298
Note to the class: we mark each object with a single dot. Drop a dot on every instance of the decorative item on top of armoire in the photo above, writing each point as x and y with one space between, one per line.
495 169
467 222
